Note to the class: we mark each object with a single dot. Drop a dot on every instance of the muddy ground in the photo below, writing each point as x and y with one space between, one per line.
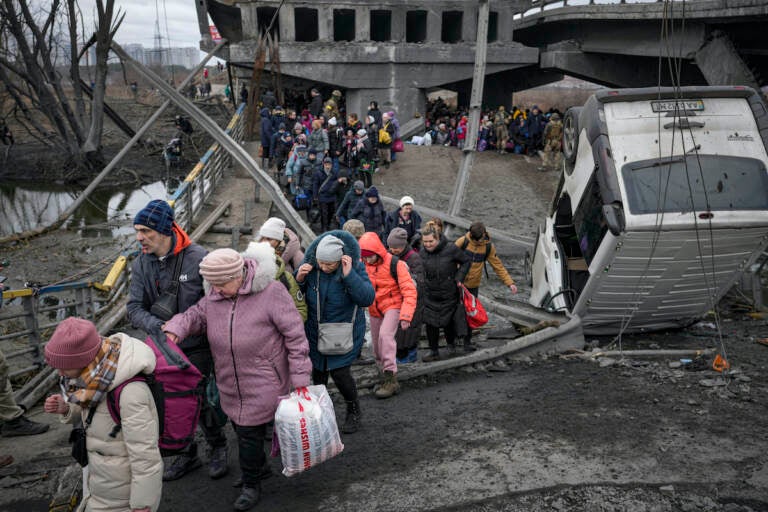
540 434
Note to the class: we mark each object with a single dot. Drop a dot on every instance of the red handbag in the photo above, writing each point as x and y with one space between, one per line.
397 146
476 315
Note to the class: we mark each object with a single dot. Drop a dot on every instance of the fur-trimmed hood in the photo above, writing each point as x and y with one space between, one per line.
264 254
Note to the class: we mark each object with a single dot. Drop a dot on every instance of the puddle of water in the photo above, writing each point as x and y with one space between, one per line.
105 213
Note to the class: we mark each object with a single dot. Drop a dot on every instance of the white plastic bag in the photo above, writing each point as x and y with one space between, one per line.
307 430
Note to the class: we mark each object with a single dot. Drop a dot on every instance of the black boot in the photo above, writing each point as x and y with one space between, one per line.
352 421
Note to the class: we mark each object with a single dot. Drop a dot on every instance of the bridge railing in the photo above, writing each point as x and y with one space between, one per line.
33 313
536 7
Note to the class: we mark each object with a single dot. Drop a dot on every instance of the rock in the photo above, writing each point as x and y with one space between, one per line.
675 364
668 490
712 383
606 362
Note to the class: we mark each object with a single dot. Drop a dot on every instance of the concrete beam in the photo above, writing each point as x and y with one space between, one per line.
250 21
614 71
721 64
376 53
434 25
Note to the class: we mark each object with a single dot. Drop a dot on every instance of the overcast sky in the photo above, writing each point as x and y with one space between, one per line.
140 16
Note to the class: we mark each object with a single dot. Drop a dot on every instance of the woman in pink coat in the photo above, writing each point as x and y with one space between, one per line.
259 351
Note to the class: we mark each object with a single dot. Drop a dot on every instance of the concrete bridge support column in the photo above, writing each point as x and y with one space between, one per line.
469 25
287 24
434 24
721 64
505 23
325 23
404 101
398 25
362 24
250 21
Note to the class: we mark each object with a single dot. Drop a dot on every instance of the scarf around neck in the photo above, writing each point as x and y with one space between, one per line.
91 386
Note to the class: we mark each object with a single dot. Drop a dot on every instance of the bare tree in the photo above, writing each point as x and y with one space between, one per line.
27 69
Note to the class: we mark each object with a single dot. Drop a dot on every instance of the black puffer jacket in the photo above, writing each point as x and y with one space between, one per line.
444 267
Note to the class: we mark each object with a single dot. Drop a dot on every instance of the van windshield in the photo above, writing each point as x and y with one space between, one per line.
696 182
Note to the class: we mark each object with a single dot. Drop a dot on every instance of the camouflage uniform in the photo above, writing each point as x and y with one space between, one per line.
553 143
501 128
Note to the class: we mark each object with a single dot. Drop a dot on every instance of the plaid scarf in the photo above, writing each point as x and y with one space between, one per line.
94 381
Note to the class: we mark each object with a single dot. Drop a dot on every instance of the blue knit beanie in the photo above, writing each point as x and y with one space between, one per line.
157 215
372 192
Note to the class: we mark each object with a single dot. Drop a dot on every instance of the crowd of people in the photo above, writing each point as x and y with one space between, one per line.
255 324
519 130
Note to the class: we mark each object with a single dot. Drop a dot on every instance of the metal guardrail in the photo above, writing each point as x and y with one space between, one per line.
535 7
43 308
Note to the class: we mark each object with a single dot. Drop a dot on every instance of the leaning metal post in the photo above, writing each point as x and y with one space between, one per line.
475 103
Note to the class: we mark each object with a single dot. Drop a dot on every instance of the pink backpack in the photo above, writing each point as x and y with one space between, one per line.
176 386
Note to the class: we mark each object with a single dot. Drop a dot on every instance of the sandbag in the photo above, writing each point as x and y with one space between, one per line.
306 430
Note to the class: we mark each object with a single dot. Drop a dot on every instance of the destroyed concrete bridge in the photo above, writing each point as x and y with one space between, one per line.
397 50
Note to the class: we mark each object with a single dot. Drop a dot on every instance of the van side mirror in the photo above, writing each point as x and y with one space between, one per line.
614 217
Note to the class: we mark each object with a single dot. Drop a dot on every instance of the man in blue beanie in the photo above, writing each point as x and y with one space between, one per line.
164 247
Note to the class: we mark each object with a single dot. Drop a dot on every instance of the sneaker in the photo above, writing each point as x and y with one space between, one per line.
183 464
248 498
451 350
413 356
21 426
469 347
434 355
217 465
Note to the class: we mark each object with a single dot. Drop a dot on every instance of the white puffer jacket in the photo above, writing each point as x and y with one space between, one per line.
125 472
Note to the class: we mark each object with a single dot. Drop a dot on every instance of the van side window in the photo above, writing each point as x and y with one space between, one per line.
589 222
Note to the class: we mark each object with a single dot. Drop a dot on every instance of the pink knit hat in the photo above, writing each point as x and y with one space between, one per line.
221 266
74 344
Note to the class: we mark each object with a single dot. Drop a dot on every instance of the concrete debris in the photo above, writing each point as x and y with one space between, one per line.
712 383
667 489
606 362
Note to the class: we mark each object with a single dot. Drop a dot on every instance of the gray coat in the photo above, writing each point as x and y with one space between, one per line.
151 275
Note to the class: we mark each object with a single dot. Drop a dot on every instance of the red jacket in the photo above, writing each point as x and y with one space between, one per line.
390 294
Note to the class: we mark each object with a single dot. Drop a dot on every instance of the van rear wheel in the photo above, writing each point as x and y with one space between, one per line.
571 134
528 270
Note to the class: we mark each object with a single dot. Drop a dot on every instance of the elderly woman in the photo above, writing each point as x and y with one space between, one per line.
125 471
337 289
285 242
259 351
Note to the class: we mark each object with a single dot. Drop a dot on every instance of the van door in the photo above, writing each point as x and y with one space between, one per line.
548 270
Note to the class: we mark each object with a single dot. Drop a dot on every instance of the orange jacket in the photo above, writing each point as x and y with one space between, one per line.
390 294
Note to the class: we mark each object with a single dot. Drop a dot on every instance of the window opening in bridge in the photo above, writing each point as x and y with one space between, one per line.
493 26
305 20
381 25
264 16
451 29
343 25
415 26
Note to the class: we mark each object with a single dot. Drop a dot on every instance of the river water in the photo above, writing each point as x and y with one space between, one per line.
107 212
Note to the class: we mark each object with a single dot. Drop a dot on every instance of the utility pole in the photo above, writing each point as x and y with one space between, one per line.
475 104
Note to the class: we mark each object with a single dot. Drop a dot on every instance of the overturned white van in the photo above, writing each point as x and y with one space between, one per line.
662 204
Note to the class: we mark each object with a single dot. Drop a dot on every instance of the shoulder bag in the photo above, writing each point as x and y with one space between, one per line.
334 338
167 304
